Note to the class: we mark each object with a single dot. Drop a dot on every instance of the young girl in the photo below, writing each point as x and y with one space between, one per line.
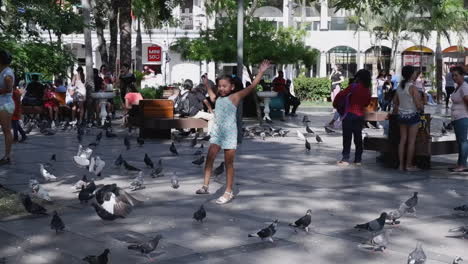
224 133
51 104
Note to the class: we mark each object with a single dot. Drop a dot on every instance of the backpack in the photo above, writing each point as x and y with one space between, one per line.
342 103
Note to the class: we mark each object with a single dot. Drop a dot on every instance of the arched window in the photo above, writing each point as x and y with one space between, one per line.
345 57
380 58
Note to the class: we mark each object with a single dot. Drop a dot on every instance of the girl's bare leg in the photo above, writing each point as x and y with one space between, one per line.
412 133
229 155
212 152
5 122
402 146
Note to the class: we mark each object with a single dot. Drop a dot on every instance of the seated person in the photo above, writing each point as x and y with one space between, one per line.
34 93
132 98
290 100
51 104
60 88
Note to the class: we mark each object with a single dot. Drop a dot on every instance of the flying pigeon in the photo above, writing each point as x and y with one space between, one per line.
194 141
129 167
82 182
56 223
40 192
375 225
99 166
46 174
318 138
329 131
267 232
174 181
417 256
461 230
457 260
140 141
173 149
200 214
148 161
307 145
147 247
305 119
138 182
87 192
114 201
309 130
119 161
101 259
300 135
303 222
157 172
32 207
219 170
127 142
381 241
283 132
199 161
463 208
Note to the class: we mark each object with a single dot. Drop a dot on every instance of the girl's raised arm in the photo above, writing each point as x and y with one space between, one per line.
244 92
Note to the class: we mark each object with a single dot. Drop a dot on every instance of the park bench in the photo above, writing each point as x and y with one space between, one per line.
155 118
426 145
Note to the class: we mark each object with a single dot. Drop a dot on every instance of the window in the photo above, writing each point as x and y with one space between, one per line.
316 26
338 23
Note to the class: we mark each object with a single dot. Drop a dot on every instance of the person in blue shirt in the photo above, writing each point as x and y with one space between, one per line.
59 87
395 79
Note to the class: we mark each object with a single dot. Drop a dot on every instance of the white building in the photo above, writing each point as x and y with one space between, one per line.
328 32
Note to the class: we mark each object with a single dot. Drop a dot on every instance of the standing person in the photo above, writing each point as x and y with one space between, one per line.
51 104
126 78
7 105
16 117
460 117
449 87
407 104
395 79
353 119
388 92
337 79
380 81
78 94
224 133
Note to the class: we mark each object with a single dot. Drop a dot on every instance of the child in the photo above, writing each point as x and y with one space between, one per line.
51 104
15 118
224 133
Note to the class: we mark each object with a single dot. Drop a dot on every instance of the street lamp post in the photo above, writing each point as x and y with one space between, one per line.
240 38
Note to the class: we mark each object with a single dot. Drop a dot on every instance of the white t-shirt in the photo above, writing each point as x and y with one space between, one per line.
459 107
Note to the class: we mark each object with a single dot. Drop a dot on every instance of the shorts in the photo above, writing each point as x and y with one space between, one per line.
409 119
77 97
8 107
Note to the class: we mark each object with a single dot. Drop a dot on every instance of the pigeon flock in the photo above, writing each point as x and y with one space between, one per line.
112 202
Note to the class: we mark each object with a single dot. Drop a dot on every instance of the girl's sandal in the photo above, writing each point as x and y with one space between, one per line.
223 199
203 190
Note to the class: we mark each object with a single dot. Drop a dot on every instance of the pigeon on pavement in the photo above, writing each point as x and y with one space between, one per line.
200 214
157 172
199 161
109 134
305 119
318 138
219 170
147 247
32 207
194 141
395 215
53 157
127 142
174 181
307 145
129 167
410 205
138 183
303 222
417 256
140 141
329 131
267 232
381 241
56 223
300 135
119 161
101 259
98 137
148 161
104 214
173 149
87 192
99 166
46 174
309 130
375 225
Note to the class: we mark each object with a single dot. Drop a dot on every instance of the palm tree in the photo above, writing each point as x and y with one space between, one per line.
86 7
114 31
101 9
125 25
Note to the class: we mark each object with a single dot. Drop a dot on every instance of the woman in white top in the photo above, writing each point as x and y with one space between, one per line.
460 116
7 105
407 104
78 93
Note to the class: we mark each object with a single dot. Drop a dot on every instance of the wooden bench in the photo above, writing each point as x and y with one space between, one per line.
155 118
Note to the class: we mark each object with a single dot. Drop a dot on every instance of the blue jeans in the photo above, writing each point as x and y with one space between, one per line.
461 129
352 126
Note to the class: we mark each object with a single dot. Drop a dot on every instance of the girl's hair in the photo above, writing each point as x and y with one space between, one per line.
364 77
381 74
133 88
226 78
80 73
406 72
459 70
102 66
5 57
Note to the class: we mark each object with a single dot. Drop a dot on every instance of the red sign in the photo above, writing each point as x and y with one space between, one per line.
154 53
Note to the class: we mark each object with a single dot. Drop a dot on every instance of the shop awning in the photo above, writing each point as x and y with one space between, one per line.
419 49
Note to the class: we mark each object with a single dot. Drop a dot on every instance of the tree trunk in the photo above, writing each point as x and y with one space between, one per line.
113 30
395 43
438 68
255 96
125 25
303 13
88 55
139 48
100 25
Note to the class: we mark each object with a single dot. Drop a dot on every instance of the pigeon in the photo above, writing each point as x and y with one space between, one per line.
115 201
267 232
101 259
310 131
127 142
138 182
56 223
82 182
303 222
32 207
307 145
148 161
200 214
140 141
463 208
103 214
199 161
318 138
173 149
461 230
457 260
109 134
329 131
129 167
381 241
99 166
53 157
46 174
119 161
206 138
147 247
40 192
175 181
410 204
98 137
417 256
194 141
263 135
93 144
300 135
219 170
157 172
198 152
87 192
92 164
283 133
395 215
443 131
375 225
305 119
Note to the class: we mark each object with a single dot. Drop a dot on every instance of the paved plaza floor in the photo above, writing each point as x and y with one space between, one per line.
275 179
